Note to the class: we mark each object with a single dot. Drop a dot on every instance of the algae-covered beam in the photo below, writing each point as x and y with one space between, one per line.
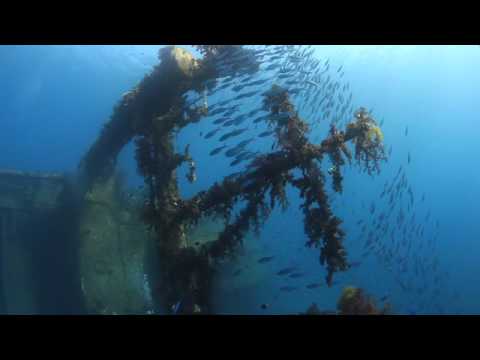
152 113
271 173
154 96
266 167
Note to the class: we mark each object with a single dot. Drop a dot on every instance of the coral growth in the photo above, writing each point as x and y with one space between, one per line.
375 134
354 301
367 137
313 309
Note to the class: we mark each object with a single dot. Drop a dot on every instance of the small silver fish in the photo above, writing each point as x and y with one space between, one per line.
211 133
232 133
286 271
355 264
246 95
234 151
217 150
176 307
267 133
228 123
265 259
238 272
288 288
311 83
296 275
237 161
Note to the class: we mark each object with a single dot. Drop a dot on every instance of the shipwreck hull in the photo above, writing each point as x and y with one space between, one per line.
113 266
27 202
50 264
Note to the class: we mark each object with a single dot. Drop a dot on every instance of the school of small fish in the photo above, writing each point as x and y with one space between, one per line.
316 88
400 231
402 239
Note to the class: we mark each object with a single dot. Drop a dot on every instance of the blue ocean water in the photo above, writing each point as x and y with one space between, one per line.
55 100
